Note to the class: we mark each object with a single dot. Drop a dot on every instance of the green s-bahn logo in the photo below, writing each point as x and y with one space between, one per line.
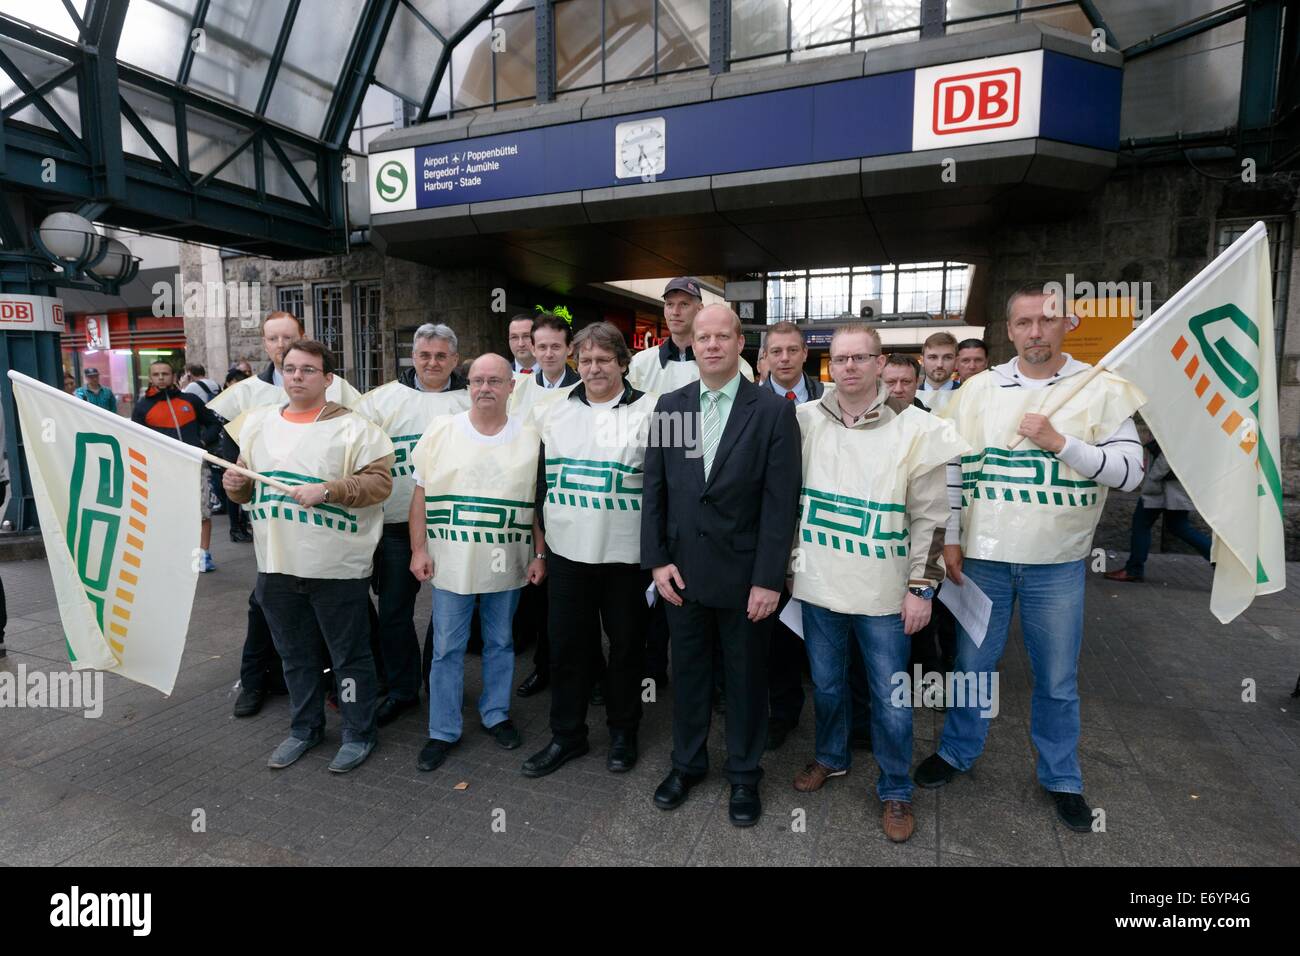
391 181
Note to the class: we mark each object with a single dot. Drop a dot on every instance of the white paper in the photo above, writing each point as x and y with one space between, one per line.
969 605
792 617
650 594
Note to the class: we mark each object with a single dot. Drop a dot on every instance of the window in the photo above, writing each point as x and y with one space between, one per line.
811 295
1279 253
607 44
327 301
367 334
776 31
288 298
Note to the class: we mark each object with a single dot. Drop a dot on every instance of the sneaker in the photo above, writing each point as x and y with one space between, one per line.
290 749
814 776
505 734
206 563
1073 810
351 755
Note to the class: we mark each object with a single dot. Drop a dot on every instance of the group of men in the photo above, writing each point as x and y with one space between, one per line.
668 494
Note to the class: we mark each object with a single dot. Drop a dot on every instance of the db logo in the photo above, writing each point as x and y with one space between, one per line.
56 311
16 311
974 101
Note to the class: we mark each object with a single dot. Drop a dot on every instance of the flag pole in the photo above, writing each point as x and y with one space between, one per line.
1059 396
241 470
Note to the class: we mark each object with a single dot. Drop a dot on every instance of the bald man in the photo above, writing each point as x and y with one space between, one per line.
717 520
475 536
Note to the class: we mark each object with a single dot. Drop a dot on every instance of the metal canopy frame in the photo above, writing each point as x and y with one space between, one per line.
161 192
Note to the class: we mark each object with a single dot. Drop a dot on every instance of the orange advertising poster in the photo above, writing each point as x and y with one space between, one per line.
1098 325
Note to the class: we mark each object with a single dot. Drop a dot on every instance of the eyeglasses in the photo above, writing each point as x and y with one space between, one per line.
489 382
841 360
306 371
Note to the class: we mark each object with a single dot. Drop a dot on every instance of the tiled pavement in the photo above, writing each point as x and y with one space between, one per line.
1185 770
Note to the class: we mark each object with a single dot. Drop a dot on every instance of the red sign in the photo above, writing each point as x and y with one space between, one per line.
976 101
13 311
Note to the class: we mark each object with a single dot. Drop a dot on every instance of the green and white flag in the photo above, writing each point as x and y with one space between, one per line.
119 512
1205 359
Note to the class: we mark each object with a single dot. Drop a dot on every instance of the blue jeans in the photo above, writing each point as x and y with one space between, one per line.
1177 523
885 650
1051 618
451 615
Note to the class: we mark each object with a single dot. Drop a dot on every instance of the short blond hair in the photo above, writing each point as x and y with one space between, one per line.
857 328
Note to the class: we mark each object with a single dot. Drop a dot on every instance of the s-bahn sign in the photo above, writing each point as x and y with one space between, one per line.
1035 94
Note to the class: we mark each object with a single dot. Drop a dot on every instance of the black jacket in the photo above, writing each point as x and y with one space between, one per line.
177 415
570 377
735 530
457 383
814 386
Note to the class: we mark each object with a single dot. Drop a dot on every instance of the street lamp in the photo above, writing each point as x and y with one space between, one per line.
72 244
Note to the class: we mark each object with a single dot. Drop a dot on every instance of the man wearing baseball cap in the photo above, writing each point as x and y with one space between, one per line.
672 364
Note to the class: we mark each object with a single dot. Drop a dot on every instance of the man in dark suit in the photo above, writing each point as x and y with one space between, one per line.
717 522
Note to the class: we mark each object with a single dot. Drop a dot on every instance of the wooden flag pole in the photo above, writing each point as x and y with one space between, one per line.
1056 400
240 470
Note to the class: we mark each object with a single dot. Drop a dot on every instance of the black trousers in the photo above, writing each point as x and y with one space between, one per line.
532 624
584 598
397 589
693 629
785 666
656 642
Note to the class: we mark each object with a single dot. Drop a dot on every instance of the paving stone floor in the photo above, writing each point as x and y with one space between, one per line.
1185 770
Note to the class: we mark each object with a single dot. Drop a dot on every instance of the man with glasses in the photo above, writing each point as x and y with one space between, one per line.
474 535
259 669
520 334
589 495
403 409
868 557
315 547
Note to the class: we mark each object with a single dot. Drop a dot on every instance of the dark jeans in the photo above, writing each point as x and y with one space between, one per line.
1177 523
397 589
260 669
309 616
583 598
694 629
785 671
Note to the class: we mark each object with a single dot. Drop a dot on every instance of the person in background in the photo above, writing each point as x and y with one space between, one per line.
938 360
520 332
94 393
1162 494
972 358
166 409
69 383
198 384
901 377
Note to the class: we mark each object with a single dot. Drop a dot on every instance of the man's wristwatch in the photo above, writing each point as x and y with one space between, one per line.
327 494
925 593
539 556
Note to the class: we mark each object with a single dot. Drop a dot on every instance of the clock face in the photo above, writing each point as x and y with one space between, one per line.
640 149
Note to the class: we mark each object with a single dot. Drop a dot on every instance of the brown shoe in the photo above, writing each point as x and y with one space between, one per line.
814 777
1123 575
898 821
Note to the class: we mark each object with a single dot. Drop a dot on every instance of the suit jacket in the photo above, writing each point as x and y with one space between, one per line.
570 377
735 530
814 386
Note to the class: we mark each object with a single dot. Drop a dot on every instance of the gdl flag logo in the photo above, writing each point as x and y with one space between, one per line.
119 513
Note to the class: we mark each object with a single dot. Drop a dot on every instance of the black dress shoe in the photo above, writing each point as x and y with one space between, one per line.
777 731
934 772
745 807
505 734
622 751
672 792
534 683
241 536
391 709
249 702
433 754
552 757
598 694
1073 810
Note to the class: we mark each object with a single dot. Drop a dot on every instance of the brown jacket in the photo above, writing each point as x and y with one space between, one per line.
369 486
